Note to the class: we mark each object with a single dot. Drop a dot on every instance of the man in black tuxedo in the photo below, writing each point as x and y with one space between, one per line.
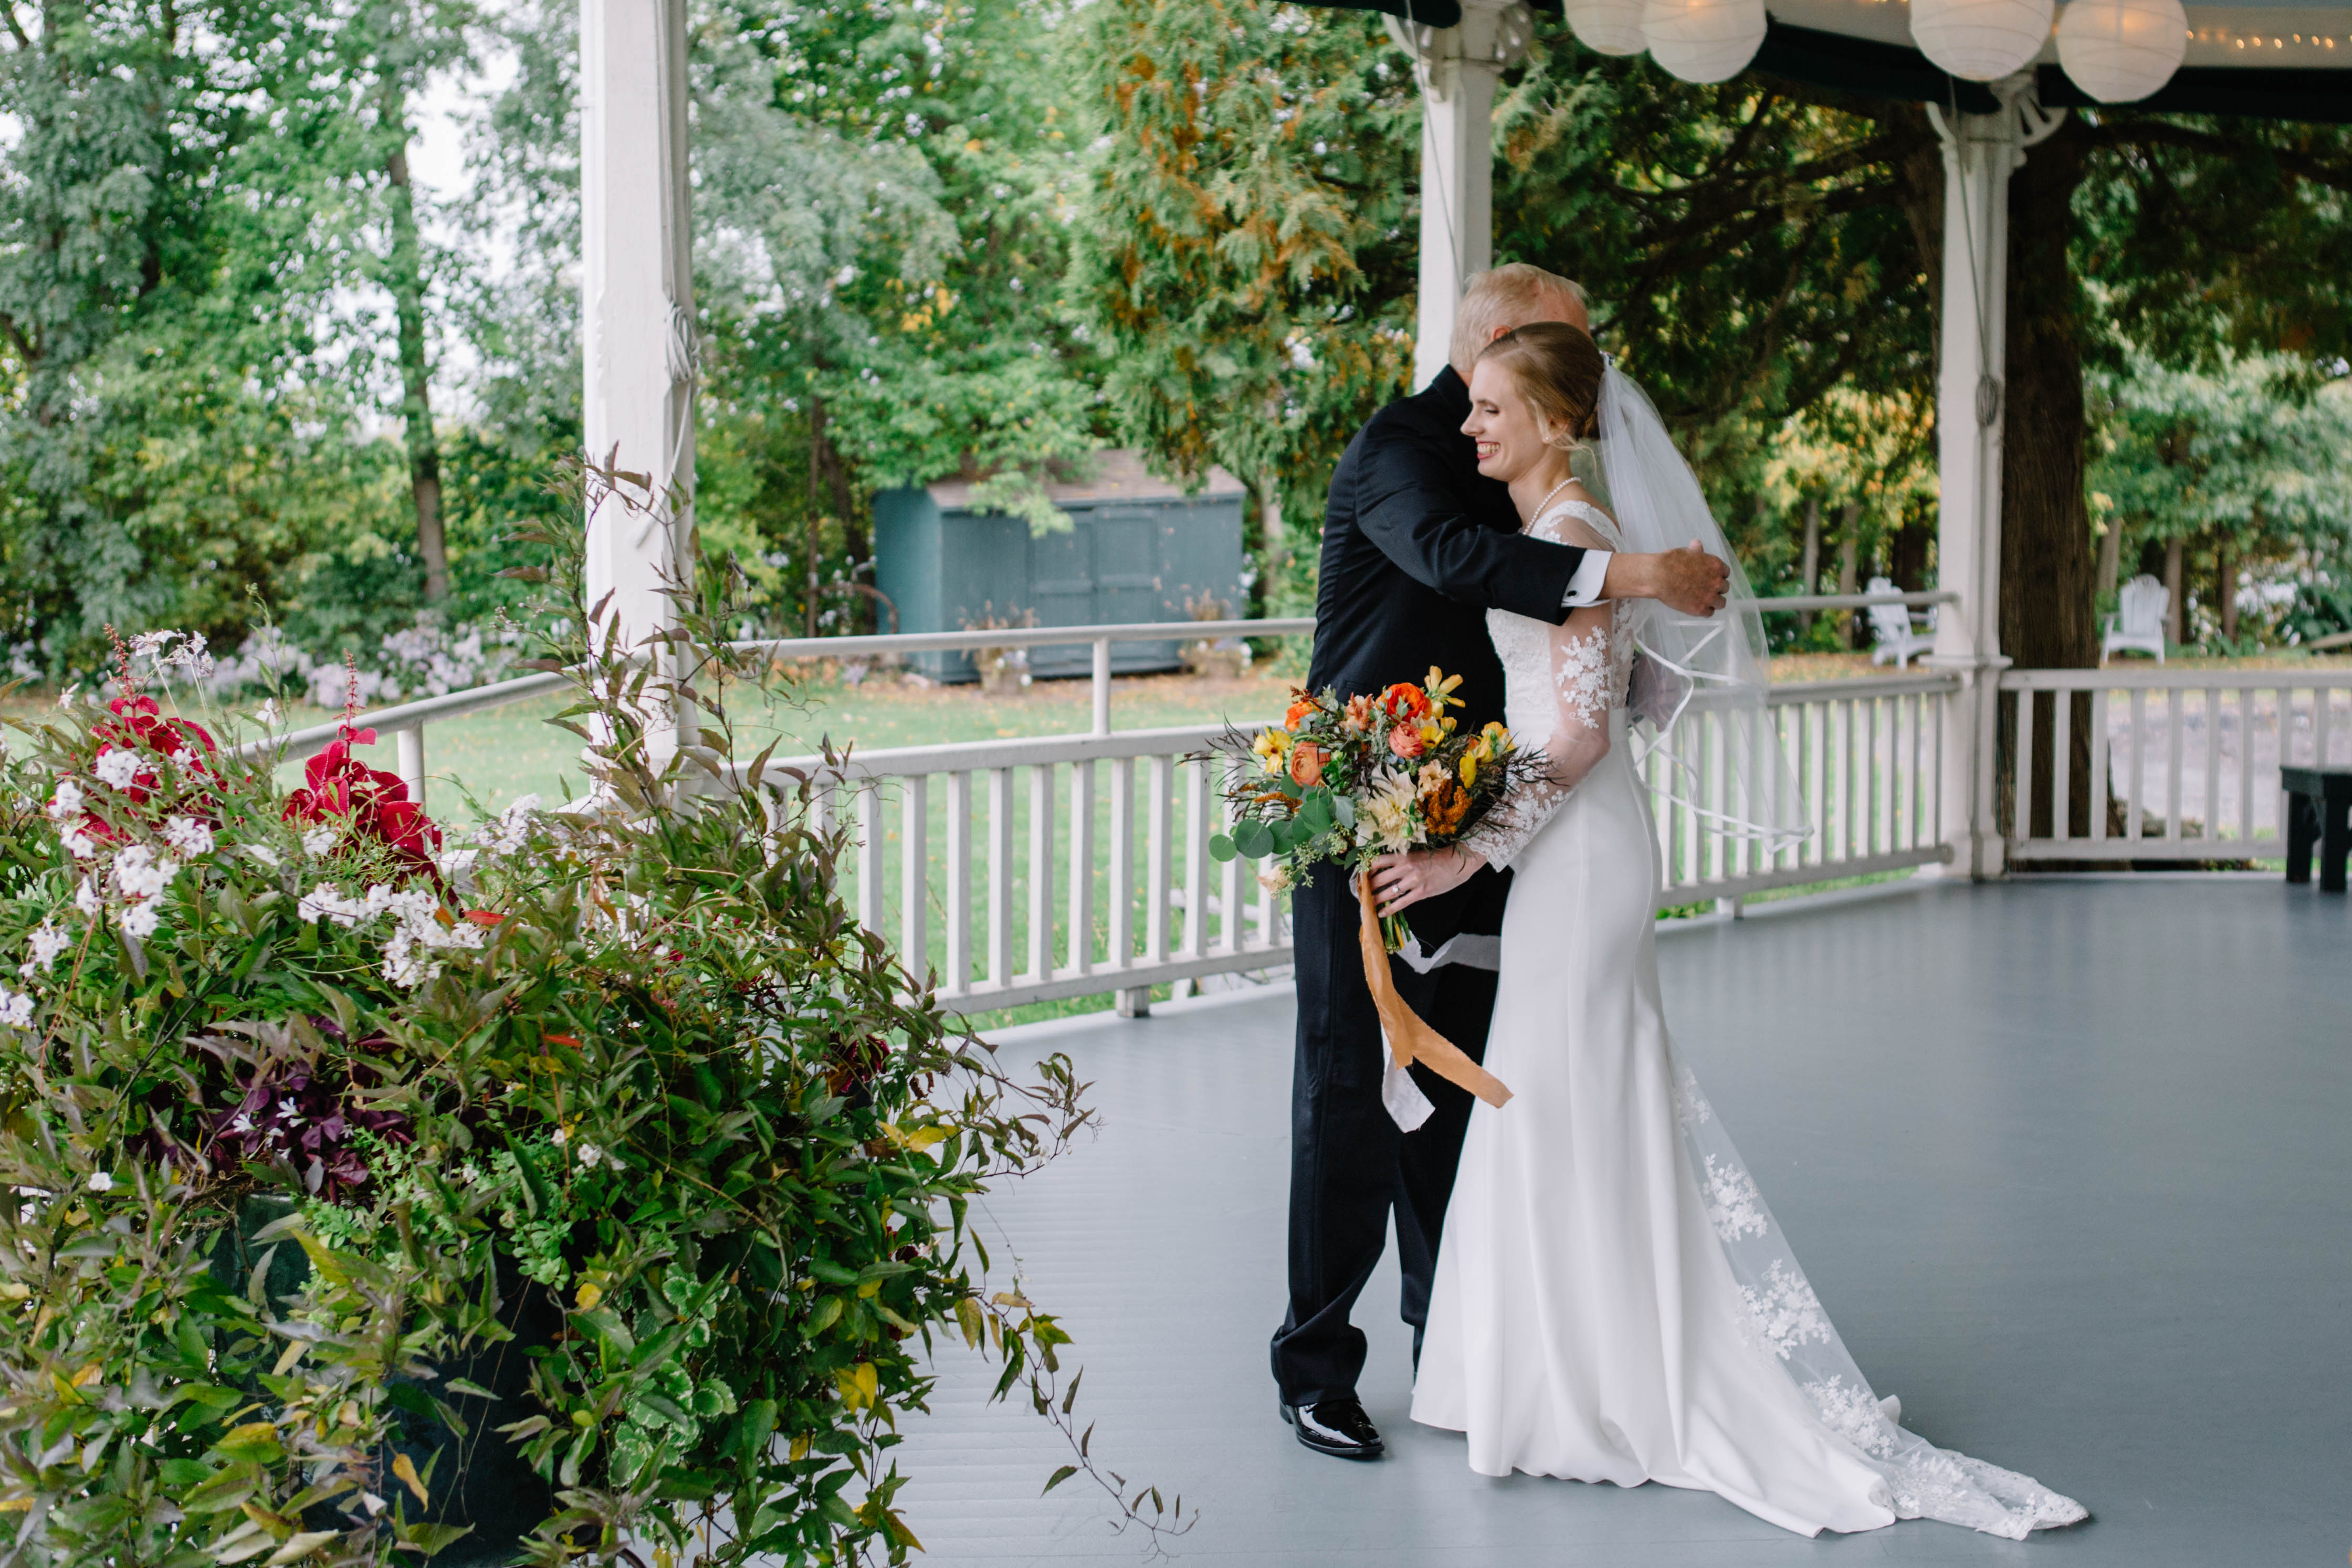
1417 546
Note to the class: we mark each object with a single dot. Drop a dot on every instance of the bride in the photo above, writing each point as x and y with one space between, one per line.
1613 1300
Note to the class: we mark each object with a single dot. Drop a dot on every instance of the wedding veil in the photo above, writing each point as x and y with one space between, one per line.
1709 679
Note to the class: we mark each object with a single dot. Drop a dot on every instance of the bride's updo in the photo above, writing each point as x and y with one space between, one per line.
1558 369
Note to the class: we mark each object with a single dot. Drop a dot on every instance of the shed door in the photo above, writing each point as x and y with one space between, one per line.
1062 578
1126 583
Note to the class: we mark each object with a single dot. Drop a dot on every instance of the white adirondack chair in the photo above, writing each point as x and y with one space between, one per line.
2138 622
1891 625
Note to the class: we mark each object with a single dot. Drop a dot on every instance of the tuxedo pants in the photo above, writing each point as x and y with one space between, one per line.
1350 1164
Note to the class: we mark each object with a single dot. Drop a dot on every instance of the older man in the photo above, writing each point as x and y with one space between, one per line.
1416 547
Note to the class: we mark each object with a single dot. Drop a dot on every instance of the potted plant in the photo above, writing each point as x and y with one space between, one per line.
1213 658
588 1179
1004 672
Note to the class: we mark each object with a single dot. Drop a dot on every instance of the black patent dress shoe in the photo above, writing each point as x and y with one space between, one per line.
1336 1427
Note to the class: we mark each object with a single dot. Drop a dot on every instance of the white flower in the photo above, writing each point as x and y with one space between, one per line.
268 714
66 698
86 895
66 804
327 901
1386 814
191 836
505 835
244 1122
559 1136
291 1112
591 1156
46 942
17 1012
140 920
263 854
318 840
116 768
142 873
79 844
101 1182
184 759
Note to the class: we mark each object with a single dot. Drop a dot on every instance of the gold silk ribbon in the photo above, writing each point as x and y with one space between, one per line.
1409 1039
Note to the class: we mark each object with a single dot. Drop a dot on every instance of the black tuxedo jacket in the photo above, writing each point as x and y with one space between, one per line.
1417 546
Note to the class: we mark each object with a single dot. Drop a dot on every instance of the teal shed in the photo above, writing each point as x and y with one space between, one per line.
1138 549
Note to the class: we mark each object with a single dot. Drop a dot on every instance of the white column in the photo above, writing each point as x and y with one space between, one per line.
637 297
1457 68
1980 151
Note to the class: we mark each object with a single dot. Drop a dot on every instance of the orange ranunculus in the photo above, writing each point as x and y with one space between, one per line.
1358 715
1301 705
1405 741
1306 762
1404 702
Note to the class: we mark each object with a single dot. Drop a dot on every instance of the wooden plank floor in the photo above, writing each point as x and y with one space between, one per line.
2068 1163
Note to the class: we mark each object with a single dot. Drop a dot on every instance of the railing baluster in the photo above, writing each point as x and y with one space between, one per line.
2061 748
2212 763
2021 792
2097 825
914 874
869 855
1121 954
1155 879
409 747
2176 704
2248 714
2322 706
1196 857
2135 811
1041 873
1000 876
959 890
1229 903
1081 913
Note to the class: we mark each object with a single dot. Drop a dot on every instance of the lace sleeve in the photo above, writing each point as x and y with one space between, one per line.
1589 664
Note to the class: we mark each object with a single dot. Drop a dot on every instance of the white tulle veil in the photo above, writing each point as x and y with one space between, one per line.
1702 684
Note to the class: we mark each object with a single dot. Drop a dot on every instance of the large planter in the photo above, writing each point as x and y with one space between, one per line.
473 1477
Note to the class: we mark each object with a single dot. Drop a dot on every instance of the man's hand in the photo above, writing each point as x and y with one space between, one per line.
1689 581
1406 879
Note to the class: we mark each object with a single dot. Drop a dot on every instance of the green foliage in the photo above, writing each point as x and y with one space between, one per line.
637 1055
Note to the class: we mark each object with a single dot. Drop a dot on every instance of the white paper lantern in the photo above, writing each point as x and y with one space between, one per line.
2119 51
1608 26
1702 40
1980 40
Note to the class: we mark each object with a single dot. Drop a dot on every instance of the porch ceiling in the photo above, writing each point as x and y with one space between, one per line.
2063 1159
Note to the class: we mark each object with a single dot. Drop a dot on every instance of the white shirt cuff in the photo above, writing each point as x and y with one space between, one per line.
1584 587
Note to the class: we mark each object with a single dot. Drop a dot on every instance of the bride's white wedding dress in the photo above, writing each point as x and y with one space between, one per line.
1613 1301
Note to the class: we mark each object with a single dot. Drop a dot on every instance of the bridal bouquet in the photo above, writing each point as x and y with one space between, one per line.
1375 775
1351 781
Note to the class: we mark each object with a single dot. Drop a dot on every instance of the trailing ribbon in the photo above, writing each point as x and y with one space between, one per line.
1409 1039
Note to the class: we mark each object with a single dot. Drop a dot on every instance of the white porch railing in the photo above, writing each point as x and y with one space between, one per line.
2189 757
1042 867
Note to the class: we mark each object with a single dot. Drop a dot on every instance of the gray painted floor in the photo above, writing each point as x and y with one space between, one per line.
2068 1163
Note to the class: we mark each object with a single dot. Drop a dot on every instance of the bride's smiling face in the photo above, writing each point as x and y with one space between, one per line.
1510 433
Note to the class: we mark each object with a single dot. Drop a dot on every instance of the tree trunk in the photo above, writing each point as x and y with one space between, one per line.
2176 611
2046 564
1811 566
1848 564
2225 596
1906 554
826 468
405 275
2111 556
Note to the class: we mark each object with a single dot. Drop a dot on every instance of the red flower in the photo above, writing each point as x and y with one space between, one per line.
138 727
338 786
1404 702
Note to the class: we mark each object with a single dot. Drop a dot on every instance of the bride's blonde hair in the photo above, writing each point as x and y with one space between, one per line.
1558 369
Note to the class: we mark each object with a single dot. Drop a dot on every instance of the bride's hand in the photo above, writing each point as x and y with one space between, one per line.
1400 880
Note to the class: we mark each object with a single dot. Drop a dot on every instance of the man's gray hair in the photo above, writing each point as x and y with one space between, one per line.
1509 295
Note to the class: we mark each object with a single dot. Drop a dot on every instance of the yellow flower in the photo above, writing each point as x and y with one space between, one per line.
1440 687
1269 748
1430 735
1470 768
